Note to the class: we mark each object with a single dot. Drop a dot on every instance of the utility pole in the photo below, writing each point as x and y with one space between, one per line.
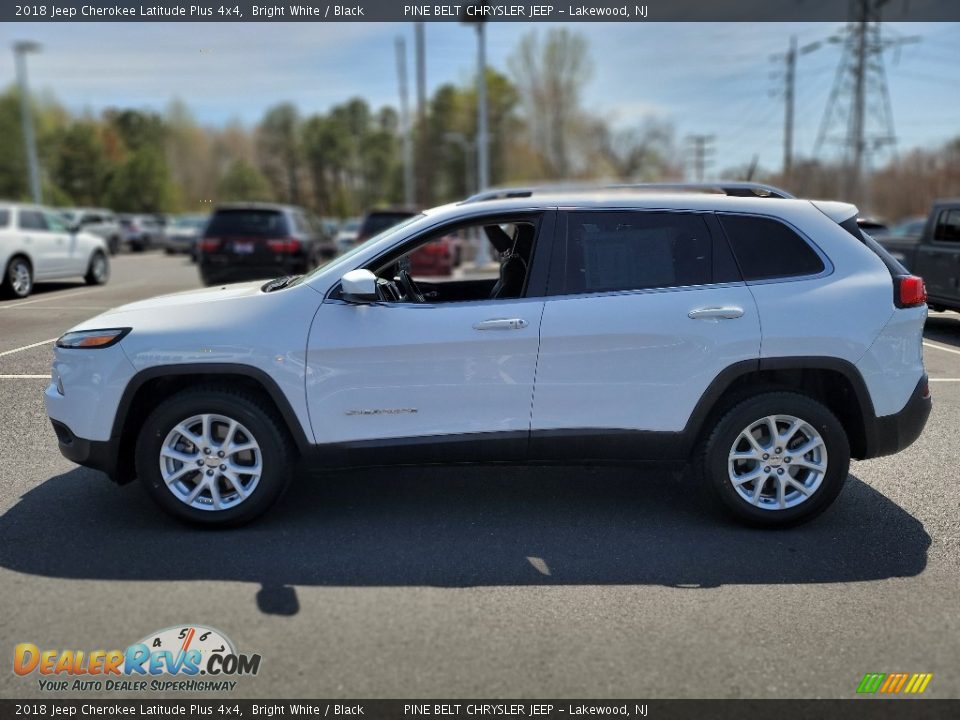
20 50
483 154
789 96
701 152
483 150
424 164
401 46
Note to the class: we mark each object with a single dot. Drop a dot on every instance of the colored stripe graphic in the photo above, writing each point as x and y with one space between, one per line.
894 683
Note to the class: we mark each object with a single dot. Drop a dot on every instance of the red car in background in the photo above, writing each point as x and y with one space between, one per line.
435 259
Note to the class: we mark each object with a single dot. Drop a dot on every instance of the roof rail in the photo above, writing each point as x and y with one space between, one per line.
733 189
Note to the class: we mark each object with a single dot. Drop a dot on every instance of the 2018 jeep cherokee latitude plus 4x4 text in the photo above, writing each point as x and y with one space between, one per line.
764 339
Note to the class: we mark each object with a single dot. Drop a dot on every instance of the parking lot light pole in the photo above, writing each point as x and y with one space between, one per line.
483 167
20 50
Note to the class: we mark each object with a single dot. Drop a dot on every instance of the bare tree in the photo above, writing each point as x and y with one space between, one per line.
550 76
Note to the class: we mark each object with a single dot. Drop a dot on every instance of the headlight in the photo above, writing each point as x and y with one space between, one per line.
91 339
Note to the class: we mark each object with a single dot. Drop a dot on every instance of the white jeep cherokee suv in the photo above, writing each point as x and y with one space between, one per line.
764 339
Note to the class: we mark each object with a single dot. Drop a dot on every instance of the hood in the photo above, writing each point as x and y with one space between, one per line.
193 298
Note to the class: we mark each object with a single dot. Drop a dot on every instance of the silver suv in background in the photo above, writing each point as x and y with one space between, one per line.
96 221
140 232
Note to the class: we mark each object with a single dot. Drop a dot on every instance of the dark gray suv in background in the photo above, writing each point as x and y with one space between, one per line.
254 241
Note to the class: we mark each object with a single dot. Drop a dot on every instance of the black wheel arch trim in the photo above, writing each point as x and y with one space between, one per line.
261 377
726 378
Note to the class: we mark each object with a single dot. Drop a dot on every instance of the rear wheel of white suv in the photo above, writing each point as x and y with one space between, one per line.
777 459
213 456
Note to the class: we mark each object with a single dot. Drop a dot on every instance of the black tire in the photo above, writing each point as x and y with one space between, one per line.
9 287
715 460
267 429
98 269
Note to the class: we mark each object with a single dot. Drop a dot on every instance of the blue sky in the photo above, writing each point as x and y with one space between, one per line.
705 78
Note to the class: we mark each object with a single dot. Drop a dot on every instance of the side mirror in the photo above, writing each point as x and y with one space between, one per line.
74 228
359 286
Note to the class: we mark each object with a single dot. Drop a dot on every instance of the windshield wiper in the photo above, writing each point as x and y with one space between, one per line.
278 283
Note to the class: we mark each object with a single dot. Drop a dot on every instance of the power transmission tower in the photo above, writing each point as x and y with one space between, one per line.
859 115
701 150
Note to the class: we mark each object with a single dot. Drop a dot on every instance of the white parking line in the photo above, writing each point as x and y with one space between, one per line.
25 377
940 347
27 347
944 379
61 296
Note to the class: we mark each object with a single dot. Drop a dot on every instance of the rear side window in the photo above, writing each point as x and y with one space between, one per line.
766 248
609 251
4 218
257 223
948 226
31 220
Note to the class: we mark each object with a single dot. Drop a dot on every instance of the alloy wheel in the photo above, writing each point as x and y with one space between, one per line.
210 462
777 462
20 278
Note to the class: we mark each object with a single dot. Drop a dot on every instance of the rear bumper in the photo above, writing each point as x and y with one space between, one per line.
889 434
96 454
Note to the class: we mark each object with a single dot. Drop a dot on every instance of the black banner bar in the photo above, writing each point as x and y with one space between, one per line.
396 11
853 709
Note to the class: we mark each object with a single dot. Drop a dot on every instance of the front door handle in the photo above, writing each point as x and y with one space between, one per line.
715 313
511 324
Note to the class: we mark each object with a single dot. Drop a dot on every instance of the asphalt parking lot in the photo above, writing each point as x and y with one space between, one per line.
522 582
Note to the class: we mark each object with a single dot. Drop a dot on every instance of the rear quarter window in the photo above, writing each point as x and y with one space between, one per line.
766 248
257 223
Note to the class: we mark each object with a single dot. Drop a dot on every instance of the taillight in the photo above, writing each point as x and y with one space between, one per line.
284 245
209 244
909 291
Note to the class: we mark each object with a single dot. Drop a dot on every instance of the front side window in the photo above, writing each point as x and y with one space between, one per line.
948 226
766 248
4 218
480 260
31 220
613 251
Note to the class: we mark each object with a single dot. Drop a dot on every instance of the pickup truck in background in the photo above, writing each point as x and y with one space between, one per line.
935 255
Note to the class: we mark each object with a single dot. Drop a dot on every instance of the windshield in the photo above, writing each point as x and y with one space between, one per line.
343 259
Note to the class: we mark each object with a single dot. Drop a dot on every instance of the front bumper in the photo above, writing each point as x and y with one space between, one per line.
97 454
889 434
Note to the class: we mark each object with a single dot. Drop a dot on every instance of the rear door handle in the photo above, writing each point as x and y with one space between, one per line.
715 313
498 324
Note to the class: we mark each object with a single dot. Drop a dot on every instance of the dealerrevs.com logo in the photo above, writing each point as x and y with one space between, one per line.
181 658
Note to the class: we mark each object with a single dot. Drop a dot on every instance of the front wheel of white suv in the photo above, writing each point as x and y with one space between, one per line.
777 459
214 456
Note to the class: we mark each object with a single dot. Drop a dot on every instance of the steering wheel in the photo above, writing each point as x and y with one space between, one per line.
410 289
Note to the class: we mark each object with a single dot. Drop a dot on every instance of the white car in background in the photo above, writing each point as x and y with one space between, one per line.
36 245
